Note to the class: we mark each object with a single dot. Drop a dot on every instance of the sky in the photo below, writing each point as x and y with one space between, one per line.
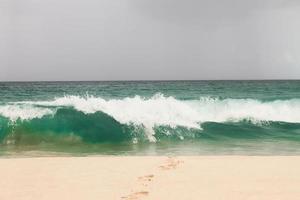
64 40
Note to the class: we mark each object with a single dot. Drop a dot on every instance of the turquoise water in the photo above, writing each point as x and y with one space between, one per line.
150 118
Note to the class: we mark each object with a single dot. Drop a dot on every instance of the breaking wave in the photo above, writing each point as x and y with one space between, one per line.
96 119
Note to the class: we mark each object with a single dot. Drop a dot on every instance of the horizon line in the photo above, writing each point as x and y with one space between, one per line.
147 80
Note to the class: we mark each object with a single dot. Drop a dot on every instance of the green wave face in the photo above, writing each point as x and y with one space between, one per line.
67 124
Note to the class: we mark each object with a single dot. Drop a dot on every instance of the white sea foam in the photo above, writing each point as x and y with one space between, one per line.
161 110
23 112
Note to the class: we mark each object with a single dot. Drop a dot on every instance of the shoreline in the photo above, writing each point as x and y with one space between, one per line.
150 177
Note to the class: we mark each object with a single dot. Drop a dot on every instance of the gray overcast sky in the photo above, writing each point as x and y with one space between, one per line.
149 39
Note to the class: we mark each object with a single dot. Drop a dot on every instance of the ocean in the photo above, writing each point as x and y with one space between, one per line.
150 118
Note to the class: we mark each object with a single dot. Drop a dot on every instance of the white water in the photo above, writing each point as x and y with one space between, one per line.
161 110
23 112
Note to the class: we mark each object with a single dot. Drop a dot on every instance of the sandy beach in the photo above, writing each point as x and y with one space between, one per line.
134 178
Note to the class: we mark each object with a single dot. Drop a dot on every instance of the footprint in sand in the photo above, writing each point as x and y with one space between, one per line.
136 195
171 163
146 178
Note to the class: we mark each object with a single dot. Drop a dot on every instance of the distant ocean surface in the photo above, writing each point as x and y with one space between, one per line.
150 118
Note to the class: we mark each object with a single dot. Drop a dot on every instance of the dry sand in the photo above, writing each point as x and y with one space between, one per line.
134 178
